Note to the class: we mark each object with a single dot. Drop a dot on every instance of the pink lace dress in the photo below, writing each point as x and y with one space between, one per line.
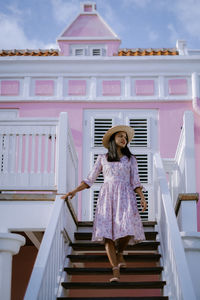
116 213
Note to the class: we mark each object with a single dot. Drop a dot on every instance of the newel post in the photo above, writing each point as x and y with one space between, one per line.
62 153
10 244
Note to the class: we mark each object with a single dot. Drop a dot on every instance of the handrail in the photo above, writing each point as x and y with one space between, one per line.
176 272
181 169
47 272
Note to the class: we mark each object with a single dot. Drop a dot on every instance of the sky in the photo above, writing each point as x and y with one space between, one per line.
35 24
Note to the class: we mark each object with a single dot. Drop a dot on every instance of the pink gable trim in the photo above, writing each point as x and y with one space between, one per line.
10 87
77 87
44 87
88 26
111 88
178 87
144 87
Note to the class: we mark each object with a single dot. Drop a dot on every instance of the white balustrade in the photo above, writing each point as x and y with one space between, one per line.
181 170
176 272
34 153
48 269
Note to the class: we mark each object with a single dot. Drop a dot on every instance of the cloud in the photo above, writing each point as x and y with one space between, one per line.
12 34
153 36
173 34
65 11
111 18
188 13
140 3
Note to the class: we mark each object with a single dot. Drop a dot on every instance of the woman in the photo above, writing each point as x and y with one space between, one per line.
117 221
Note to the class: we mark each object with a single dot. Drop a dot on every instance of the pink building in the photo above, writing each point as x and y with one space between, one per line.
55 106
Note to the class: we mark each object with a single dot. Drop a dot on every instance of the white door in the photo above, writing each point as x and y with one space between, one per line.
144 144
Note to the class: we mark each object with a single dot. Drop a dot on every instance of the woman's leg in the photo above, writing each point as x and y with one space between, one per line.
112 256
122 243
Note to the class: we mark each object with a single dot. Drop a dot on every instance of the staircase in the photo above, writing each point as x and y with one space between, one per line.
88 270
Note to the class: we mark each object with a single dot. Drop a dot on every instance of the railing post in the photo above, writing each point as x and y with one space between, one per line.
190 182
61 154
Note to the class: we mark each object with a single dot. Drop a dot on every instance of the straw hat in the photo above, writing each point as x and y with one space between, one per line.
129 130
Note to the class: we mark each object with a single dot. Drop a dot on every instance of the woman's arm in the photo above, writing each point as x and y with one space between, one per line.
79 188
143 202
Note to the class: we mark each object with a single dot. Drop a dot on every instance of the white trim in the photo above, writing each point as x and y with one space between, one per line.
88 38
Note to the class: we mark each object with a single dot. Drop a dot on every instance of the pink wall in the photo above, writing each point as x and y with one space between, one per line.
112 46
170 122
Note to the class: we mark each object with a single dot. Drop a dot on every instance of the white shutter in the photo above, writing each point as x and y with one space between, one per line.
141 132
79 52
100 128
142 161
96 52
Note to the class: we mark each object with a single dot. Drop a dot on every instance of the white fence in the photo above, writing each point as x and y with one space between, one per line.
37 154
181 169
48 269
176 272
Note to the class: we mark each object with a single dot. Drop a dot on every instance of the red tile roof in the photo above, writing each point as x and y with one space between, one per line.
147 52
121 52
51 52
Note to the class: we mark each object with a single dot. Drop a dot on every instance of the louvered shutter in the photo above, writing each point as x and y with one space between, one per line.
96 52
141 129
100 128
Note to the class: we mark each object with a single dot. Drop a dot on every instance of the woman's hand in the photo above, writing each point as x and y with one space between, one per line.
70 194
143 203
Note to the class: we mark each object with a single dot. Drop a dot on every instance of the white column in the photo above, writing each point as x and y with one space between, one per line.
9 245
62 153
191 243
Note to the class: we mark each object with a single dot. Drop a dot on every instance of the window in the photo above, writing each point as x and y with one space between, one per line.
79 52
96 52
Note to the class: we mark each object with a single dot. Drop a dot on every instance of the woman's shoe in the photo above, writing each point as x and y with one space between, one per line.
121 261
116 274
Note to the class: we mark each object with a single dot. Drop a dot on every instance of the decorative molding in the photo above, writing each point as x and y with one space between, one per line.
111 88
10 87
77 87
178 86
44 87
144 87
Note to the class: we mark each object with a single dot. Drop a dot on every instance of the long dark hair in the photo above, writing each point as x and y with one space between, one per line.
112 154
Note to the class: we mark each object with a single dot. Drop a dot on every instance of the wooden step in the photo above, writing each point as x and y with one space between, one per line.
123 271
80 236
90 223
115 298
91 246
114 285
103 258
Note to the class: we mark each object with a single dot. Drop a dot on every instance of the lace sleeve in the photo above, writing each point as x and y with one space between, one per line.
94 173
135 179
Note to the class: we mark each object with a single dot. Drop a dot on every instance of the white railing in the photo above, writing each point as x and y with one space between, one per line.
176 273
27 152
37 154
47 272
181 170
